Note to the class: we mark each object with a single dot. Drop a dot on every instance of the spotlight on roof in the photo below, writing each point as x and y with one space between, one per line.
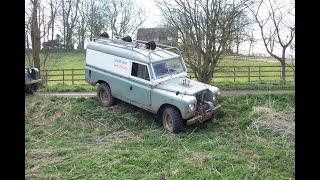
105 35
151 45
127 39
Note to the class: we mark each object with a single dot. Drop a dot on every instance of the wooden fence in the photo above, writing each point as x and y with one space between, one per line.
64 76
251 73
222 73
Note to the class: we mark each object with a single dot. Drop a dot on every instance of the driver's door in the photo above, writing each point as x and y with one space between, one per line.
140 84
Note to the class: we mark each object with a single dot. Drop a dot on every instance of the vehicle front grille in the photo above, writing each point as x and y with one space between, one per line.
201 96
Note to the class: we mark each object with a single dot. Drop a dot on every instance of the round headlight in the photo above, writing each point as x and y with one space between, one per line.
215 96
191 107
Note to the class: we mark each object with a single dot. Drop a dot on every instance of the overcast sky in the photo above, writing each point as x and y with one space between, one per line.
154 17
152 11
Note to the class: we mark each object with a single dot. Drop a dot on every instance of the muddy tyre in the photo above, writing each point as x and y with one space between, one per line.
104 95
31 88
172 120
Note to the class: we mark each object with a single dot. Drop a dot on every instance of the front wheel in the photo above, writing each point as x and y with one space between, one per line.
104 95
31 88
172 120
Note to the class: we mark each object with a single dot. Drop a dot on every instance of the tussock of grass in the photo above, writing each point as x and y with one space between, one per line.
68 88
76 138
118 136
282 121
40 158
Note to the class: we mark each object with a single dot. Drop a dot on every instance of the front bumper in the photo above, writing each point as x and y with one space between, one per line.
202 118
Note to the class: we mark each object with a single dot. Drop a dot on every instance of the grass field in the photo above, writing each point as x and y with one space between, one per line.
65 60
76 138
76 60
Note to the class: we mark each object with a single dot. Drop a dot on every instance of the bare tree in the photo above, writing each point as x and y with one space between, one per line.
96 22
272 39
28 19
54 6
292 49
28 59
205 27
241 34
82 23
124 16
252 41
278 27
69 10
37 26
35 33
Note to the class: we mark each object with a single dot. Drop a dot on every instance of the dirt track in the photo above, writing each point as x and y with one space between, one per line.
223 92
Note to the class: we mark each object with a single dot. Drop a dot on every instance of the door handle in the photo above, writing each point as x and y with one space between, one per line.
130 87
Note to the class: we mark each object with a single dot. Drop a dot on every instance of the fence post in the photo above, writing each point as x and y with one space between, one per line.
280 71
249 73
46 78
72 76
63 76
259 72
234 73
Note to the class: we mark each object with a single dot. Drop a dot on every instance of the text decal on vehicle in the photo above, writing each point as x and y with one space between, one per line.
109 62
120 64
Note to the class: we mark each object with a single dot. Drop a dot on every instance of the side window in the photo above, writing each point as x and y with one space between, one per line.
140 71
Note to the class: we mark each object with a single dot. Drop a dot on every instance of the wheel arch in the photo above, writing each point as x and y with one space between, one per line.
163 107
102 81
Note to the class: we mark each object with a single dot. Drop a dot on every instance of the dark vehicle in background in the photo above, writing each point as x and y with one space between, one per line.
32 80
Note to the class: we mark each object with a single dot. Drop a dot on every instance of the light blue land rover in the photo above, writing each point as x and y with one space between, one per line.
149 77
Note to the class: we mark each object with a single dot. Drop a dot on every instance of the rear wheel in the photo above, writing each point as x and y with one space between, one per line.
172 120
104 95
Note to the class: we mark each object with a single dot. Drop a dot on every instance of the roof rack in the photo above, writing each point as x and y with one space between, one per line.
104 40
136 44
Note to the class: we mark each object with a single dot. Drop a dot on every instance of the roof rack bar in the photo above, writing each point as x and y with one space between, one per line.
158 54
135 44
166 47
163 45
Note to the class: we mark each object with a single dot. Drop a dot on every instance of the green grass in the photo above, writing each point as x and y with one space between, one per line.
69 138
246 61
256 85
65 60
68 88
225 68
76 60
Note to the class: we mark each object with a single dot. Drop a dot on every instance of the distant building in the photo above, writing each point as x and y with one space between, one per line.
168 36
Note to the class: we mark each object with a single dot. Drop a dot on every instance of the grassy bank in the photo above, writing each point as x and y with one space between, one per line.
69 138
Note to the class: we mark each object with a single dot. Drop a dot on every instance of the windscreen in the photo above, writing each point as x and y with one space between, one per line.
169 67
